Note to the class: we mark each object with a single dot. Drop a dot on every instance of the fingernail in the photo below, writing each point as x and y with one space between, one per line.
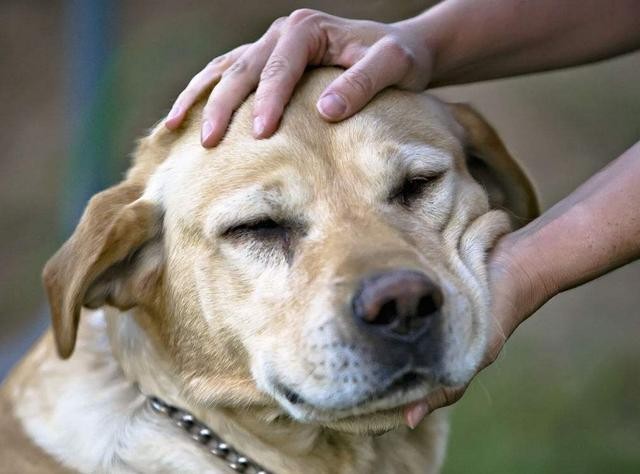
174 112
207 128
258 126
332 105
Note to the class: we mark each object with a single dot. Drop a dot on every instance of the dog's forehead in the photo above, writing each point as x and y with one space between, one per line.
307 158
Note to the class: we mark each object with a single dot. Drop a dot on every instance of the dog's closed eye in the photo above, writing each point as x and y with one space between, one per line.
262 229
413 188
266 238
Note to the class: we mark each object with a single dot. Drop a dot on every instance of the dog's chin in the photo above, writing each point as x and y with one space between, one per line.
376 423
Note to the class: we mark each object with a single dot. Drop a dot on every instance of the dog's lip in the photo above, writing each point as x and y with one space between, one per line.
291 395
408 381
404 382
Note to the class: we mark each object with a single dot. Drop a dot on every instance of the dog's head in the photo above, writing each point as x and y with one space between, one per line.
338 269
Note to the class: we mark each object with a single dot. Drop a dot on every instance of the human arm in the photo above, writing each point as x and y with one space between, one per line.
454 42
475 41
594 230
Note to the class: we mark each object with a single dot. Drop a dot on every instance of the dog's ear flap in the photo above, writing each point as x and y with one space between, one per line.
90 267
494 168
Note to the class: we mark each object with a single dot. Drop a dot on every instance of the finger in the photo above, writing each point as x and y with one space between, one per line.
236 84
201 82
384 64
280 75
496 343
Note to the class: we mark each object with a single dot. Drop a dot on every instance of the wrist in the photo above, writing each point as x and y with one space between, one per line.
520 279
429 32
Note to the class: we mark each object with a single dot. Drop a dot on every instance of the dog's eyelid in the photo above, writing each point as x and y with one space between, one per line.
428 167
253 223
425 176
413 187
262 224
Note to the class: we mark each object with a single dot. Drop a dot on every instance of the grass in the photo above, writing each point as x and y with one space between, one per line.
529 414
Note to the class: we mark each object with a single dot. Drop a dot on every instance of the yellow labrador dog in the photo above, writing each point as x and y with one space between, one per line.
281 299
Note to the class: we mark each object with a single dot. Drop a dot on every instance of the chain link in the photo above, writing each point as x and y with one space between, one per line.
206 437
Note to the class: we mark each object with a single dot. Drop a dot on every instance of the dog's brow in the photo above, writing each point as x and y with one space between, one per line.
243 204
418 158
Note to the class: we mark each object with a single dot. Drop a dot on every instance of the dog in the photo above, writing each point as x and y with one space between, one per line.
290 295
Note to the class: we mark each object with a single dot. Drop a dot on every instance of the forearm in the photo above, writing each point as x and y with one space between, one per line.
472 40
591 232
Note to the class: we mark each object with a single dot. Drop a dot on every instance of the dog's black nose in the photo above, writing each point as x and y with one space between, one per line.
397 304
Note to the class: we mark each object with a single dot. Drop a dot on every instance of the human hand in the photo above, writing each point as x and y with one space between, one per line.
517 290
376 56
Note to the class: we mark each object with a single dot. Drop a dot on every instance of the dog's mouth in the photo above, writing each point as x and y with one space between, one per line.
401 390
403 383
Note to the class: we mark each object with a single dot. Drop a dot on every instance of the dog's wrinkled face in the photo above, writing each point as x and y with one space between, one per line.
337 268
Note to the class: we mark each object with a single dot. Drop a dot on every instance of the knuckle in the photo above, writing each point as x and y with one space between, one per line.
216 61
279 22
359 81
400 52
262 44
276 66
302 14
240 49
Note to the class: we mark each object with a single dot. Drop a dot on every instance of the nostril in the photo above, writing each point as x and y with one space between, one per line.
398 303
428 305
387 313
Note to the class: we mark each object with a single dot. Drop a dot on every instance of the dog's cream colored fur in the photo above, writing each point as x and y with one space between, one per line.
217 322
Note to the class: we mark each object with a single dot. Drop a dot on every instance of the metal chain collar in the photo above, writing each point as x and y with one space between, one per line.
206 437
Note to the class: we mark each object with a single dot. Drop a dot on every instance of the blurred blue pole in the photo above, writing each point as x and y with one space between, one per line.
90 28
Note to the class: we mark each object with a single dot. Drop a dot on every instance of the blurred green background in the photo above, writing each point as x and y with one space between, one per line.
564 396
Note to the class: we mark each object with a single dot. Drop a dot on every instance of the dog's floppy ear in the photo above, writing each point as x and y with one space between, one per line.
106 260
492 166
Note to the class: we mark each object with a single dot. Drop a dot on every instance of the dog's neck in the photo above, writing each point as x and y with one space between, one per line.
133 438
